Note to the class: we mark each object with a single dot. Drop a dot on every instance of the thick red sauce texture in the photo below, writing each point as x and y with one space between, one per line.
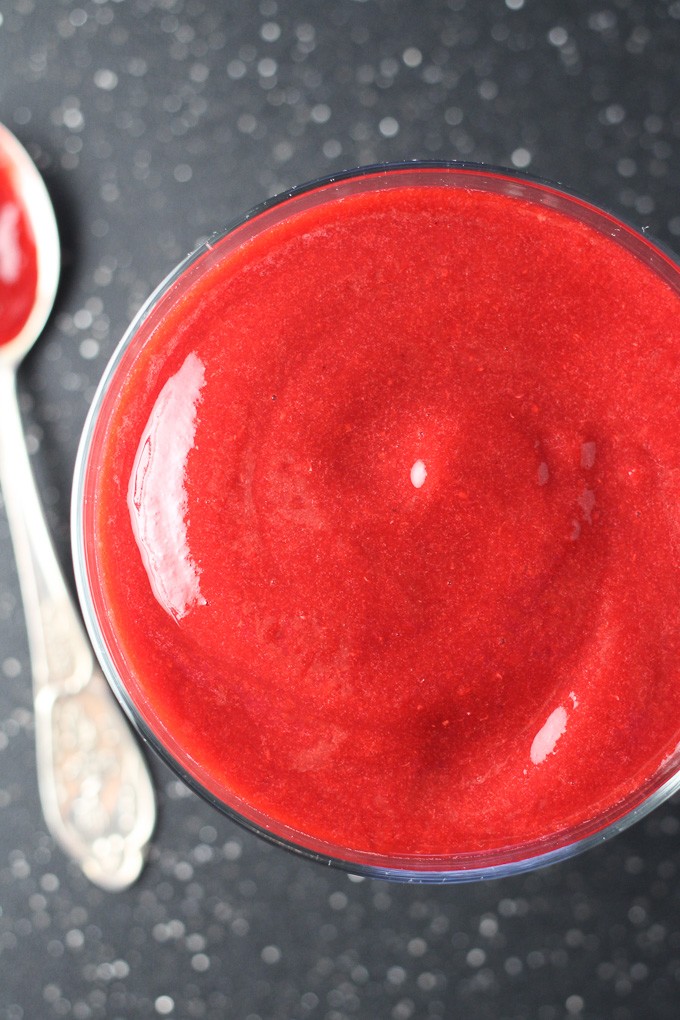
18 259
388 523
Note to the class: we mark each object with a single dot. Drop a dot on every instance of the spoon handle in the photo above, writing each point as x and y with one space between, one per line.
95 789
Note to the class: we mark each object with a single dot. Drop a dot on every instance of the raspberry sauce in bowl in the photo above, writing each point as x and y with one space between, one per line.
376 519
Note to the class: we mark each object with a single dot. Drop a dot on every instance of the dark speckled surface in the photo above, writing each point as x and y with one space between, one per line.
154 121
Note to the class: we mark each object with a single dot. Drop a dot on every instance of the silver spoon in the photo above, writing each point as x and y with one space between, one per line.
95 789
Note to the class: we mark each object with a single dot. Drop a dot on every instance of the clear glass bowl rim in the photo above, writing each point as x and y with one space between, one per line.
497 863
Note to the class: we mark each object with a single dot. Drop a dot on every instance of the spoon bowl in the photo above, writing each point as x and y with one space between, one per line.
32 195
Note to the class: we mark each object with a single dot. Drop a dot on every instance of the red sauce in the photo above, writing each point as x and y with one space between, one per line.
18 258
387 524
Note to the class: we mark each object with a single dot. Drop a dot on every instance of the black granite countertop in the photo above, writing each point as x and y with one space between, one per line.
154 122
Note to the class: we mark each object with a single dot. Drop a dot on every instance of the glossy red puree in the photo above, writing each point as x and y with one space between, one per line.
388 523
18 259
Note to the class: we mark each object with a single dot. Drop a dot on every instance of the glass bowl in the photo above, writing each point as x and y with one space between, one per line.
511 857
